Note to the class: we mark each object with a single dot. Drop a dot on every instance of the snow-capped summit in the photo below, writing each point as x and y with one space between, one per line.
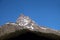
25 21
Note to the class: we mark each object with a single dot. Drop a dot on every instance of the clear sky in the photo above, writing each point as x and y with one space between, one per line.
43 12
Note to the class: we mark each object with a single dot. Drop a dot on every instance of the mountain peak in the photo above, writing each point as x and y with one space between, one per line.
25 21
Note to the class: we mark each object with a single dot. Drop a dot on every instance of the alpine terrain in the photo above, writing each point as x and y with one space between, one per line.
26 29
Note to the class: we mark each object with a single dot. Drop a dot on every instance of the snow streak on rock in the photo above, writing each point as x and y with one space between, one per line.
25 21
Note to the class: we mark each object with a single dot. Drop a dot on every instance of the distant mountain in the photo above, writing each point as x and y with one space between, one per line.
26 24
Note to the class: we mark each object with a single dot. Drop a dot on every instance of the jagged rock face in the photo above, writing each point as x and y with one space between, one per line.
25 21
30 28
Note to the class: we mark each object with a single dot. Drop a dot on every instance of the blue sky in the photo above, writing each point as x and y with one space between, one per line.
43 12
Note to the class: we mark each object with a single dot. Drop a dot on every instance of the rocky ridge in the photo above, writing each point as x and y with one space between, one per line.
24 22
